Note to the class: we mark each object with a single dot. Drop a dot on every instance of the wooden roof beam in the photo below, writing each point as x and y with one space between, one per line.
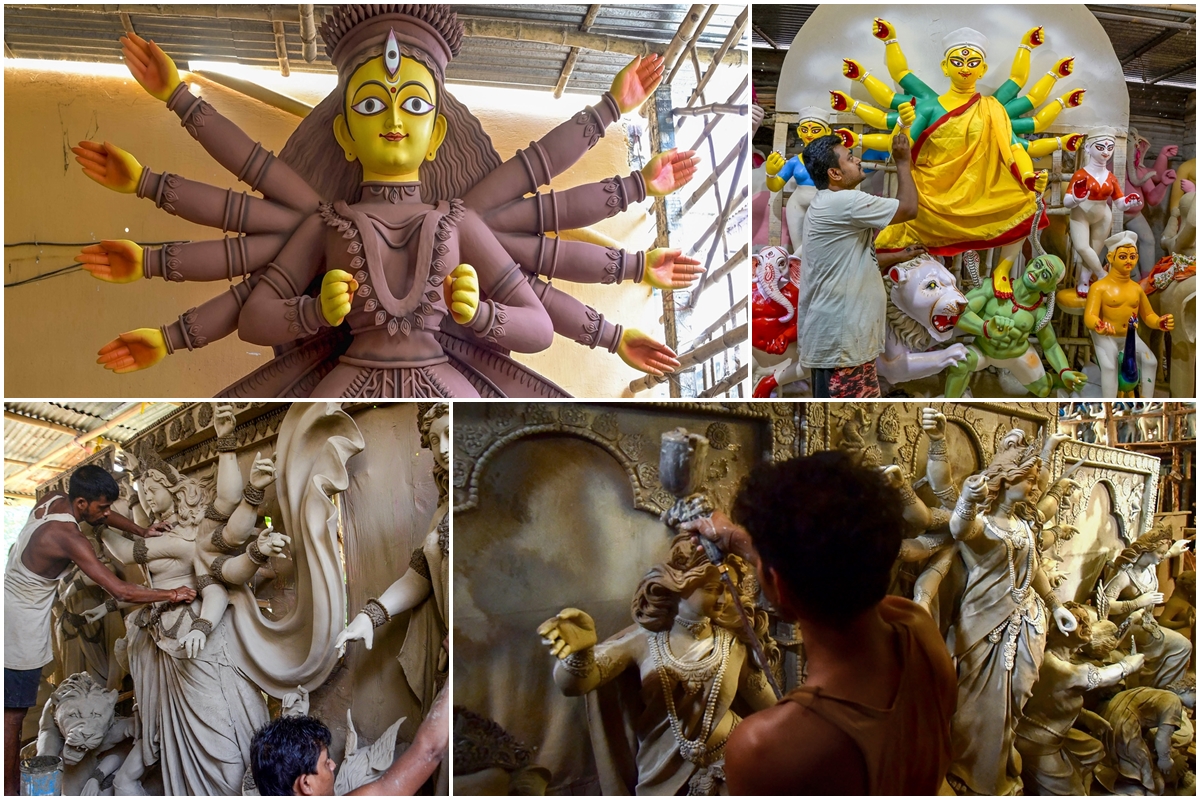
22 419
569 64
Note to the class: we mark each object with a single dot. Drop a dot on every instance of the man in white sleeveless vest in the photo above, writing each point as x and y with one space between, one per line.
47 546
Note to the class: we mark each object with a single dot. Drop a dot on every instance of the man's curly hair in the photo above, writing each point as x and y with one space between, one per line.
829 528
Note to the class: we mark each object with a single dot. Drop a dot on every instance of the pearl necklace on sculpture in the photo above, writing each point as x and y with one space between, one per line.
1015 540
693 675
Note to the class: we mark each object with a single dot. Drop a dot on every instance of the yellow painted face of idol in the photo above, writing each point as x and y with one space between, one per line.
810 130
1123 259
390 127
964 66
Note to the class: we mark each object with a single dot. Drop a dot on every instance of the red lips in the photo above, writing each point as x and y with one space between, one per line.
394 137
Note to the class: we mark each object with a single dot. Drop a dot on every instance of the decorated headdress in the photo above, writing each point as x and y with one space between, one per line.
1105 132
964 37
351 30
432 35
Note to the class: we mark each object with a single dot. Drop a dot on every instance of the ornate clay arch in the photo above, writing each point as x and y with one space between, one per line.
1130 478
477 443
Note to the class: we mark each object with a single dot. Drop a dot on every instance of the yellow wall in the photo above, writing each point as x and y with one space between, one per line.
54 327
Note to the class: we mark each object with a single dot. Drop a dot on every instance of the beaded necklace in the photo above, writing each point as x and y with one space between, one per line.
1019 538
693 676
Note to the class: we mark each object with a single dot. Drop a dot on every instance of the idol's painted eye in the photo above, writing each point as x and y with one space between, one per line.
370 106
973 63
417 105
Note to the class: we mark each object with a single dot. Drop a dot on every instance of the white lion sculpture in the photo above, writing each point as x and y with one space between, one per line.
924 303
79 724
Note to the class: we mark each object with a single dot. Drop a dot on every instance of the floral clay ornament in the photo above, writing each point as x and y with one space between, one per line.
361 202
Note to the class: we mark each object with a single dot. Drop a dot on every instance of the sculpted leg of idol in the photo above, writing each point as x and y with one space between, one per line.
396 208
676 673
423 588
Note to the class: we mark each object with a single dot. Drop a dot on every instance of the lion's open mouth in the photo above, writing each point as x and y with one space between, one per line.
944 323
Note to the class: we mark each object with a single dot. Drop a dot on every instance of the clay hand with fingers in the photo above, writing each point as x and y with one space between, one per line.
337 293
671 269
295 704
150 66
637 81
109 166
461 293
775 162
360 629
193 643
224 420
644 354
933 422
271 543
571 631
975 489
137 349
669 171
1065 619
113 260
262 472
95 614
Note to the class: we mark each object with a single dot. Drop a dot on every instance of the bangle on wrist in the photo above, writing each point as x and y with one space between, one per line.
580 663
376 613
202 625
255 554
937 449
227 444
964 509
110 604
254 496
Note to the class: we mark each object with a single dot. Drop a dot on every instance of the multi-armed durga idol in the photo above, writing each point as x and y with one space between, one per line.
392 254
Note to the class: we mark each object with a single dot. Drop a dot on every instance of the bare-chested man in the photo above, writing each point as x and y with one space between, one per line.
47 546
873 716
1112 302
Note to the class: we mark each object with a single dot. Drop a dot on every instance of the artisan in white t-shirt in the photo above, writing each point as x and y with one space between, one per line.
843 304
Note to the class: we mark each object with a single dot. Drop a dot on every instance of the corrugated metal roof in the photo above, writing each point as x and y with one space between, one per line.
91 33
30 443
